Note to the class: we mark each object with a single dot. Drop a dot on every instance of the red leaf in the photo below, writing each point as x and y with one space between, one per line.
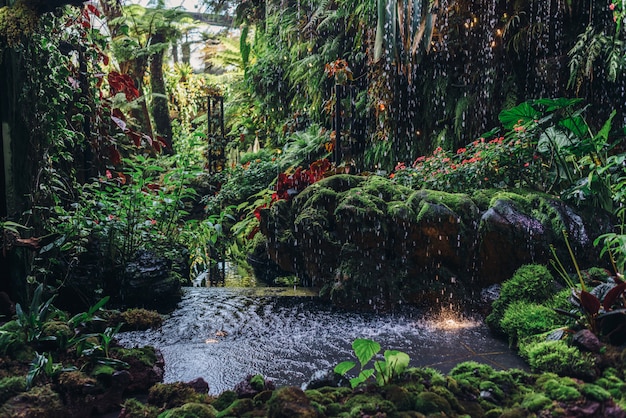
93 9
118 114
115 155
589 302
612 295
135 136
162 141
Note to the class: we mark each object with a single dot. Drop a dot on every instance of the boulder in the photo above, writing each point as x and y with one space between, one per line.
370 243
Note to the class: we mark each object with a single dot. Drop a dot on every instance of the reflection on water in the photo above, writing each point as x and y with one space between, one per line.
224 334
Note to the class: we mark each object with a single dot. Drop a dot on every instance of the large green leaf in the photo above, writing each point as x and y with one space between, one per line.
344 367
397 361
556 104
521 114
365 350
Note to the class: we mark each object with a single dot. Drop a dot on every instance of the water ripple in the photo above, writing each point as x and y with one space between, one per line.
224 334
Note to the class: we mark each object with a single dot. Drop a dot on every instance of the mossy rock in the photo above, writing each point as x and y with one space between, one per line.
171 395
562 390
146 355
522 319
400 397
190 410
139 319
132 408
11 386
560 358
238 408
290 402
368 404
385 189
40 401
595 392
530 283
534 402
431 403
224 400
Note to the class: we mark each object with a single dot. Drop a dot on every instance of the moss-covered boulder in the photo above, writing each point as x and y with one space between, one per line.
370 243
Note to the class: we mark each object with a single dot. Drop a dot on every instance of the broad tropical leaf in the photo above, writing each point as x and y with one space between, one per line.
365 350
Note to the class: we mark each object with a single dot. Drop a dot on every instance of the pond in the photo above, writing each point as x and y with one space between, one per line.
222 334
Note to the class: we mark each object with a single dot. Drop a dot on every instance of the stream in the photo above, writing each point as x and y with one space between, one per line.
223 334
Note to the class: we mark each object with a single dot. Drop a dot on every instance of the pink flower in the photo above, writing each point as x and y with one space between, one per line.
111 217
108 174
526 164
152 221
612 6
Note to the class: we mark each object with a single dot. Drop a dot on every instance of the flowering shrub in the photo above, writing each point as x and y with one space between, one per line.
499 162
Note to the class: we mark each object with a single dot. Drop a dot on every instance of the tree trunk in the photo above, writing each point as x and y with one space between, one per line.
160 109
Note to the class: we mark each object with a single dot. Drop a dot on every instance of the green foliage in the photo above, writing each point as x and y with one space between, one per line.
385 371
523 319
43 365
530 283
559 357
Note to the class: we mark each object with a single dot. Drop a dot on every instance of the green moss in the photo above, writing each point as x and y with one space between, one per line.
400 397
425 375
385 189
522 319
482 197
472 371
132 408
612 382
493 389
357 206
430 403
341 182
141 319
147 355
290 402
40 401
171 395
534 402
76 380
529 283
102 370
11 386
558 357
224 400
459 203
400 211
319 198
368 404
257 382
561 390
191 410
595 392
237 408
57 329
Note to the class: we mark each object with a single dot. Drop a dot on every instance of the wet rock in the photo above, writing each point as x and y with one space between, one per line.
150 282
326 379
199 385
291 402
253 385
369 243
587 341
